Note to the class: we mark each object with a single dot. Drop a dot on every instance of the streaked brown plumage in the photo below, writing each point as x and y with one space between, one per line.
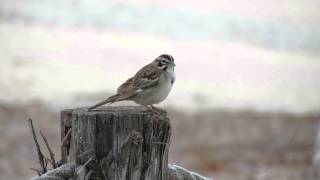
148 80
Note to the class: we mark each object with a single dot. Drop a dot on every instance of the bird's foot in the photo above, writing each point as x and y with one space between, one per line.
149 108
154 109
157 109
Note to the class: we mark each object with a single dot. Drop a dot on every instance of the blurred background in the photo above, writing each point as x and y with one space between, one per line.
246 101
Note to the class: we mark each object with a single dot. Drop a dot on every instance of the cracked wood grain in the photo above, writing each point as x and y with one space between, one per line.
125 143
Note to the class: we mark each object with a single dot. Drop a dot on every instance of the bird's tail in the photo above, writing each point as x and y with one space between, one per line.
111 99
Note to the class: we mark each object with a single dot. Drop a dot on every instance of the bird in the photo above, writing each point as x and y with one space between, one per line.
150 85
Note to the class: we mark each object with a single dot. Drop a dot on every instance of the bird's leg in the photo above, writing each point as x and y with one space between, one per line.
149 108
156 109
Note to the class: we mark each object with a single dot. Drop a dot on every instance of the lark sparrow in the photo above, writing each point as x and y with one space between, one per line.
149 86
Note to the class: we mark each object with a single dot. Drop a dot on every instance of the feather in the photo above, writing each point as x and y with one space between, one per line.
111 99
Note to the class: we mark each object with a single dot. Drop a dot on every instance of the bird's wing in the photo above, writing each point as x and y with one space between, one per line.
124 87
146 77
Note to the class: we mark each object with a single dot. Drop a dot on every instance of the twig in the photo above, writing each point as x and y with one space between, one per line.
46 160
53 162
103 171
65 138
40 155
36 170
88 175
84 166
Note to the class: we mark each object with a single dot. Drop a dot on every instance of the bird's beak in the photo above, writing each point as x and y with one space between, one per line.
173 64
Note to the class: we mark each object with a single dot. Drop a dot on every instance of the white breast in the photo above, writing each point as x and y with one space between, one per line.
157 93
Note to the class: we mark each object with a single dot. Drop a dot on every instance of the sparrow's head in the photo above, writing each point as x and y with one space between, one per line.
164 61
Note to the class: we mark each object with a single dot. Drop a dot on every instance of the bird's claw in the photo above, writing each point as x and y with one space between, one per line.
154 109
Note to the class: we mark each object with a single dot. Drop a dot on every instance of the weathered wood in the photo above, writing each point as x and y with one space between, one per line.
116 143
65 124
61 173
179 173
68 170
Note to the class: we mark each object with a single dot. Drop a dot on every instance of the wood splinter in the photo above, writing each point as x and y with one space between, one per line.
66 137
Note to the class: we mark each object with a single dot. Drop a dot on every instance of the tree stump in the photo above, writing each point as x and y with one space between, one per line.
116 143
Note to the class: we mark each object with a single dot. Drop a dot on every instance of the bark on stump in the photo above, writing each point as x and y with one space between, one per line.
116 143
